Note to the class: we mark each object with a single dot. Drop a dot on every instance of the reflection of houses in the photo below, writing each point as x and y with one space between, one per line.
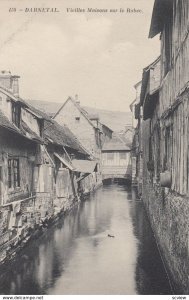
116 162
165 139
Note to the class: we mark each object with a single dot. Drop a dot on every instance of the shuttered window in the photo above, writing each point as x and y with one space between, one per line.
168 32
16 114
13 173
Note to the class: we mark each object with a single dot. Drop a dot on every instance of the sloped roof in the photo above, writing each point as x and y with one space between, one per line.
24 131
8 93
4 122
145 78
107 127
161 11
24 104
62 135
116 144
38 113
127 140
82 111
87 116
84 166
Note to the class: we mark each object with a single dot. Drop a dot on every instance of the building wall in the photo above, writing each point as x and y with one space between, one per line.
82 129
176 79
40 196
106 136
5 105
16 147
115 158
116 163
168 208
31 121
168 213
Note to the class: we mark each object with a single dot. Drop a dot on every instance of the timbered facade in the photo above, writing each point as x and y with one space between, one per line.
166 138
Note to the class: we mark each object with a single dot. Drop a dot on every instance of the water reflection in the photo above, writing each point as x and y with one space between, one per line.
77 256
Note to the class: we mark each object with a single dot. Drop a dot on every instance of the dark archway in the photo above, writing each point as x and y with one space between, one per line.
121 180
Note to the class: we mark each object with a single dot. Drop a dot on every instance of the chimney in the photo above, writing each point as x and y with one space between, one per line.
9 82
76 99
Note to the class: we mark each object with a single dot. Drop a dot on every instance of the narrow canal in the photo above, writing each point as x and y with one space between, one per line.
77 257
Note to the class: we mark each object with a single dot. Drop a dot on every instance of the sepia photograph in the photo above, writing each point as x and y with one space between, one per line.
94 148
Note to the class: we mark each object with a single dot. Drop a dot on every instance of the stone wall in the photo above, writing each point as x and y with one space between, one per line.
168 213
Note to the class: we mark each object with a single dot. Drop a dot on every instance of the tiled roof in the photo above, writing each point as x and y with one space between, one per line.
115 144
4 122
30 133
24 131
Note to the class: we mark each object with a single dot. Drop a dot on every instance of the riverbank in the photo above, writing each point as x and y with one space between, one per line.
76 256
32 222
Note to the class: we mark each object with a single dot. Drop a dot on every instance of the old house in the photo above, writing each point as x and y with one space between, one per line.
22 154
90 132
116 159
165 186
150 125
136 152
39 172
72 167
87 131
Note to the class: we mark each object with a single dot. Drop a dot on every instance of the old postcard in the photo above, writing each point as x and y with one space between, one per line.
94 142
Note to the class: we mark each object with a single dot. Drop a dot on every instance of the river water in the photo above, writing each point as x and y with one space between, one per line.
76 256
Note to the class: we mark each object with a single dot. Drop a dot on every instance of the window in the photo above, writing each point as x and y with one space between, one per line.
150 149
168 148
13 173
9 174
16 114
77 119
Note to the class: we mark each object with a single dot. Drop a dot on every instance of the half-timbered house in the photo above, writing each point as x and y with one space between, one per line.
166 142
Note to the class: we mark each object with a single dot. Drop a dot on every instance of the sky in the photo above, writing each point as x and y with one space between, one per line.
98 56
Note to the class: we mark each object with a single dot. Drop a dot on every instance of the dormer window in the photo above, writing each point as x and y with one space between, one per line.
16 114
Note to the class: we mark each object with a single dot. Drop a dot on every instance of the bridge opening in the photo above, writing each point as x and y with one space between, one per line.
121 181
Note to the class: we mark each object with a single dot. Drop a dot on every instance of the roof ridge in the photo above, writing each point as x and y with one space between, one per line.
61 108
78 107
